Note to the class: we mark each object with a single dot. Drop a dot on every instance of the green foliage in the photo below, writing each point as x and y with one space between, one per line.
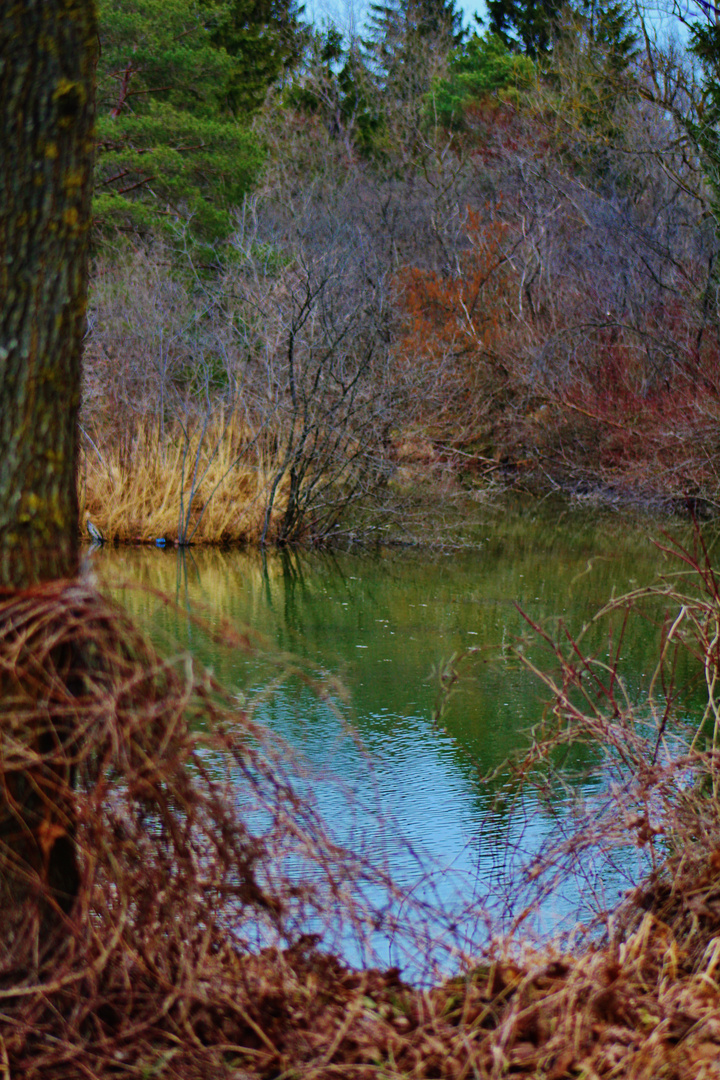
161 51
535 26
483 66
705 128
336 85
525 25
407 48
265 38
171 168
609 33
171 149
404 34
590 71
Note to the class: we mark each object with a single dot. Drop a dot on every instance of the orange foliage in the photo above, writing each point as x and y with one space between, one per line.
629 398
458 330
461 309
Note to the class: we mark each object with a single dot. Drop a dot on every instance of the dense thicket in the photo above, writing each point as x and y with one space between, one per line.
493 253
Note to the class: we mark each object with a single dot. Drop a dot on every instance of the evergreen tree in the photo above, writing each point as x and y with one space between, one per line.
335 84
264 39
590 66
407 48
525 25
404 39
533 26
175 81
704 127
610 33
481 67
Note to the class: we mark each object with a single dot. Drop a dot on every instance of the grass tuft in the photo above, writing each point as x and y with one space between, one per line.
211 487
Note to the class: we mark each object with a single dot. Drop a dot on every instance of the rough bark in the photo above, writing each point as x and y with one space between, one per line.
47 60
47 63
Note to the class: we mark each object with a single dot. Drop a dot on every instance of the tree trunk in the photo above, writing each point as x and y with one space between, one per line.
47 63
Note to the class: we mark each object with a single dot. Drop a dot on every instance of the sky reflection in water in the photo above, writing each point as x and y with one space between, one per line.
384 624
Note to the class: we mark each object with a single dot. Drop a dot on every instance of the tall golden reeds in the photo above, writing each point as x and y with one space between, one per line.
208 487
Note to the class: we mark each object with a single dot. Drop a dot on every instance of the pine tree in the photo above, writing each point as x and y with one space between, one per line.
533 26
264 39
407 48
177 82
610 32
525 25
334 84
590 71
481 68
704 127
404 38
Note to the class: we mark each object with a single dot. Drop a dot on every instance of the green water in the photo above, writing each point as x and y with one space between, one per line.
381 626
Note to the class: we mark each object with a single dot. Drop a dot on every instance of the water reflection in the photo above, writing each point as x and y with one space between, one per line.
383 625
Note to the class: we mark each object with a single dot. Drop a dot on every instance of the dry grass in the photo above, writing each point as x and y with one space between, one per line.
143 492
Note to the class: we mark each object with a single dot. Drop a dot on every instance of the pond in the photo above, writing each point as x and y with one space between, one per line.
374 630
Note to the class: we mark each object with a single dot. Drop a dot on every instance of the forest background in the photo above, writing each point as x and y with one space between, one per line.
338 276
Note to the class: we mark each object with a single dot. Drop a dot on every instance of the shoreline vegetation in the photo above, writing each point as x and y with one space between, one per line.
427 258
207 930
331 275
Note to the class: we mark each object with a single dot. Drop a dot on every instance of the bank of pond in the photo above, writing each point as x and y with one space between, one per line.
401 677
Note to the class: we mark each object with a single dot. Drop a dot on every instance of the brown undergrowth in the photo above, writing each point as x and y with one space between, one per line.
163 862
174 903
